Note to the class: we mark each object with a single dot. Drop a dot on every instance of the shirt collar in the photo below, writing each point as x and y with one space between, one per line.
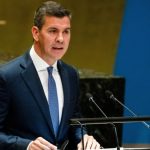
39 63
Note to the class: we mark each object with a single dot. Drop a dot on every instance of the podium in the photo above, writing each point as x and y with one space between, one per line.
121 148
110 120
96 85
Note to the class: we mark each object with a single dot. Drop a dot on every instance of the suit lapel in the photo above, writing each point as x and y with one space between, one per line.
31 78
66 88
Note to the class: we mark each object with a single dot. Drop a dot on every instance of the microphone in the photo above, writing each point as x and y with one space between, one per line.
90 97
110 95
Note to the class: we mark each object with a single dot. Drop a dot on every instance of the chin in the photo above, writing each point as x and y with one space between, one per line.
59 57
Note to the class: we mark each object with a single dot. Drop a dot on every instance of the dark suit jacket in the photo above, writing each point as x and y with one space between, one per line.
24 112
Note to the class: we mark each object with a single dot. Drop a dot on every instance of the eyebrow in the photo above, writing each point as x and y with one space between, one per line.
68 28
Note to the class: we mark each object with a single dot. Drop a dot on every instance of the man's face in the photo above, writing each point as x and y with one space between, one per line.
52 41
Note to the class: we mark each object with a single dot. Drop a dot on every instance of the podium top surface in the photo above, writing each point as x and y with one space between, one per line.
121 148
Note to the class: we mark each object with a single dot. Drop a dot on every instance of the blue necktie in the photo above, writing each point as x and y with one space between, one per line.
53 101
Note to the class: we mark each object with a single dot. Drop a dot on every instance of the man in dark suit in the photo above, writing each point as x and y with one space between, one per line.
25 117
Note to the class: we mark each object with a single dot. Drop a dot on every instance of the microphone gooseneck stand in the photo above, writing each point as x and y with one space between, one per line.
82 134
112 124
110 95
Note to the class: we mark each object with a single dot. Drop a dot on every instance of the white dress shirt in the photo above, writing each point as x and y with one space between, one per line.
41 68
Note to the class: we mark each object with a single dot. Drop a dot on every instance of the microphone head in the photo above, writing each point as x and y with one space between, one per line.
109 94
89 96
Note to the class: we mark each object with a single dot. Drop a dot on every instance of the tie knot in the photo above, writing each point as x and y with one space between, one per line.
50 70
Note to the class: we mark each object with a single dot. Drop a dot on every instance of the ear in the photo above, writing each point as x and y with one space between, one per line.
35 33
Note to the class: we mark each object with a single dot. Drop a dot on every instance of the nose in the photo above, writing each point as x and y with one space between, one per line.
60 38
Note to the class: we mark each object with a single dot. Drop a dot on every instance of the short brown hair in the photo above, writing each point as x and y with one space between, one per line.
49 8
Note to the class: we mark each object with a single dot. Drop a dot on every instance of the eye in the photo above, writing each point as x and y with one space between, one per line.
67 31
52 31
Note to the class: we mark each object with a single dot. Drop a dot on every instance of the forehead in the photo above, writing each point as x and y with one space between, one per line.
56 22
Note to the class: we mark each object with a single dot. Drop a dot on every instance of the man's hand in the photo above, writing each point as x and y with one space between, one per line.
89 143
41 144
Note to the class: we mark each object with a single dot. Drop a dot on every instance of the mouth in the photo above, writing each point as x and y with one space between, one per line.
57 48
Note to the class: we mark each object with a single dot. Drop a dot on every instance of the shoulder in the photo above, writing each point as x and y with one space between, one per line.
13 68
10 64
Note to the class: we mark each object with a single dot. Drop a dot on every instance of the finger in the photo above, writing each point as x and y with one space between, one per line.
86 139
98 146
80 145
90 143
36 145
95 145
40 144
47 144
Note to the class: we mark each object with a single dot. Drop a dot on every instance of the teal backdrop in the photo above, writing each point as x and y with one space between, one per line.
133 62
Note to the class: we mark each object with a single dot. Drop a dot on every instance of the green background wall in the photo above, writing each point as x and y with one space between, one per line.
95 31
